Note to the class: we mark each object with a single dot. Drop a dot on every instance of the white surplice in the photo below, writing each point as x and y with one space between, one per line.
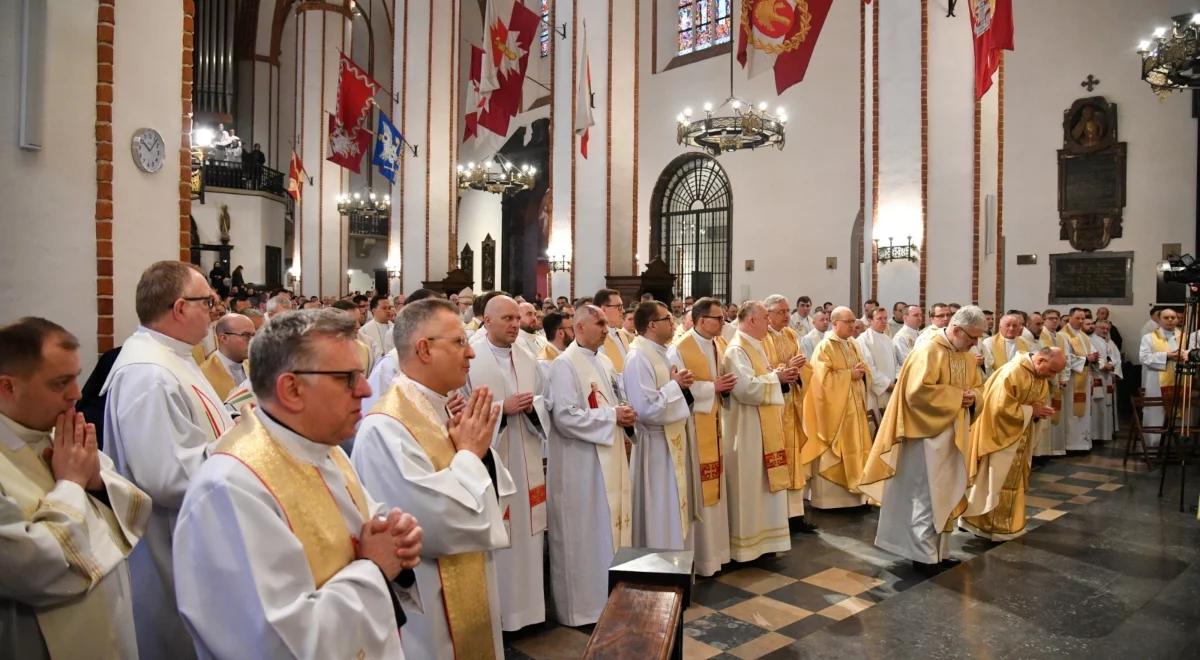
246 589
532 342
758 518
458 509
931 477
880 355
808 343
378 338
380 380
903 342
581 541
160 419
1079 427
64 582
656 506
507 371
801 324
710 535
1154 364
1104 401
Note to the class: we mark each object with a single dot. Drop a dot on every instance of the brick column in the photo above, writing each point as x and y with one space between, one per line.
105 20
185 137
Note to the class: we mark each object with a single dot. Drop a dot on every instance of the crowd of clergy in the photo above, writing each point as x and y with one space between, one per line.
378 478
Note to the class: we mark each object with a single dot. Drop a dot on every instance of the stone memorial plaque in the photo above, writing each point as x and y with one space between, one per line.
1093 183
1091 278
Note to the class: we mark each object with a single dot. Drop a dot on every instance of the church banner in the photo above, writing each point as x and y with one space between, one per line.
780 35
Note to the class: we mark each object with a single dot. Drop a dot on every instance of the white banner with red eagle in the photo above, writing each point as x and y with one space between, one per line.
780 35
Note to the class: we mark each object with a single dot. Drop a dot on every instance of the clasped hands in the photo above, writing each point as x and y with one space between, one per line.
473 421
73 454
1042 412
968 398
392 542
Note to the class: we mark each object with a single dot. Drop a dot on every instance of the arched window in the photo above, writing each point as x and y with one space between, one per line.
703 24
689 225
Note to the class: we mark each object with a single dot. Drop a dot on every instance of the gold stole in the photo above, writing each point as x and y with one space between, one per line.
613 352
676 433
218 376
548 353
770 421
308 506
707 423
1079 380
198 353
781 347
614 464
1050 341
463 576
1000 352
1166 377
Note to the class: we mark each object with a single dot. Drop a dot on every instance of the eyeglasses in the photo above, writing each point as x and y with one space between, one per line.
207 300
243 335
665 318
352 376
715 318
461 341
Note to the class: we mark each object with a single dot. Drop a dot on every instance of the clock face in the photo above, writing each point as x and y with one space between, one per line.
149 150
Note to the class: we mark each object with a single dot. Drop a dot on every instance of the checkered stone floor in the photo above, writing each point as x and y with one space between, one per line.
750 610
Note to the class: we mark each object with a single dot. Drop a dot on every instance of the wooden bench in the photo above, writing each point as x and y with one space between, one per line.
648 590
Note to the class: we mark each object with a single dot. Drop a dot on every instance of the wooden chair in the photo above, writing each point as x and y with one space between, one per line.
1138 430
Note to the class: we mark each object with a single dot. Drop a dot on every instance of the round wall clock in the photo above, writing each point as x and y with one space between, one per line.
149 150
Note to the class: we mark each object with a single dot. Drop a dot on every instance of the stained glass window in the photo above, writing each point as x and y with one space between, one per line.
544 36
702 24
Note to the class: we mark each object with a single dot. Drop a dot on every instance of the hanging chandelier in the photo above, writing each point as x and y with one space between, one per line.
499 175
1171 57
745 127
733 126
365 203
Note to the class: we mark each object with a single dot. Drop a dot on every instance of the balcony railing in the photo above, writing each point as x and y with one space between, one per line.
231 174
368 225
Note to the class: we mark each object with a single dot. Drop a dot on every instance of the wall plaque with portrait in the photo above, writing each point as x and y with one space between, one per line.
1091 175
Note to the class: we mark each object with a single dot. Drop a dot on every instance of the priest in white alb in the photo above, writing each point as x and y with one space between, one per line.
799 319
700 350
225 367
160 419
414 453
515 380
1003 346
1104 383
616 342
1160 352
591 512
1054 442
279 551
820 326
879 354
377 332
1081 361
67 520
666 480
755 455
906 337
783 349
917 466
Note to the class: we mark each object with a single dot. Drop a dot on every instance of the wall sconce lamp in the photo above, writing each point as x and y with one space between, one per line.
894 252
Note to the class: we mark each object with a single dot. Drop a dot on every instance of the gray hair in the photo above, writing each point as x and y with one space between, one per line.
279 303
774 299
969 317
413 317
252 313
286 344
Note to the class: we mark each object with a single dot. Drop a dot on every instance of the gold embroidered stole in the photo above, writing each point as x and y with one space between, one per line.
1166 377
782 347
676 433
1050 340
770 420
613 352
218 376
308 505
548 352
707 422
614 464
1079 380
1000 350
463 576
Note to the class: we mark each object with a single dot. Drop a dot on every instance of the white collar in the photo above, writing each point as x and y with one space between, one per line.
300 447
229 364
14 434
436 401
180 348
700 339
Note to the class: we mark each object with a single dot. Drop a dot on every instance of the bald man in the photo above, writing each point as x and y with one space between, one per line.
512 375
226 367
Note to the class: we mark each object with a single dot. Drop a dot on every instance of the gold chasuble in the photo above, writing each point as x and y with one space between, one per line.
770 420
835 414
468 613
781 347
1081 346
676 435
998 456
707 422
309 509
928 401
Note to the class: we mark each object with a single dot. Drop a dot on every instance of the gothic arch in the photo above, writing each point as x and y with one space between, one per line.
691 215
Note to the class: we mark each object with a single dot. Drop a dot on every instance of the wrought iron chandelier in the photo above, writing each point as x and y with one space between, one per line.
1171 57
365 203
498 175
908 251
745 126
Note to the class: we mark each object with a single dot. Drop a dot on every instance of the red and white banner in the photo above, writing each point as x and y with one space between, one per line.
583 98
295 186
780 35
347 144
355 90
992 32
498 69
